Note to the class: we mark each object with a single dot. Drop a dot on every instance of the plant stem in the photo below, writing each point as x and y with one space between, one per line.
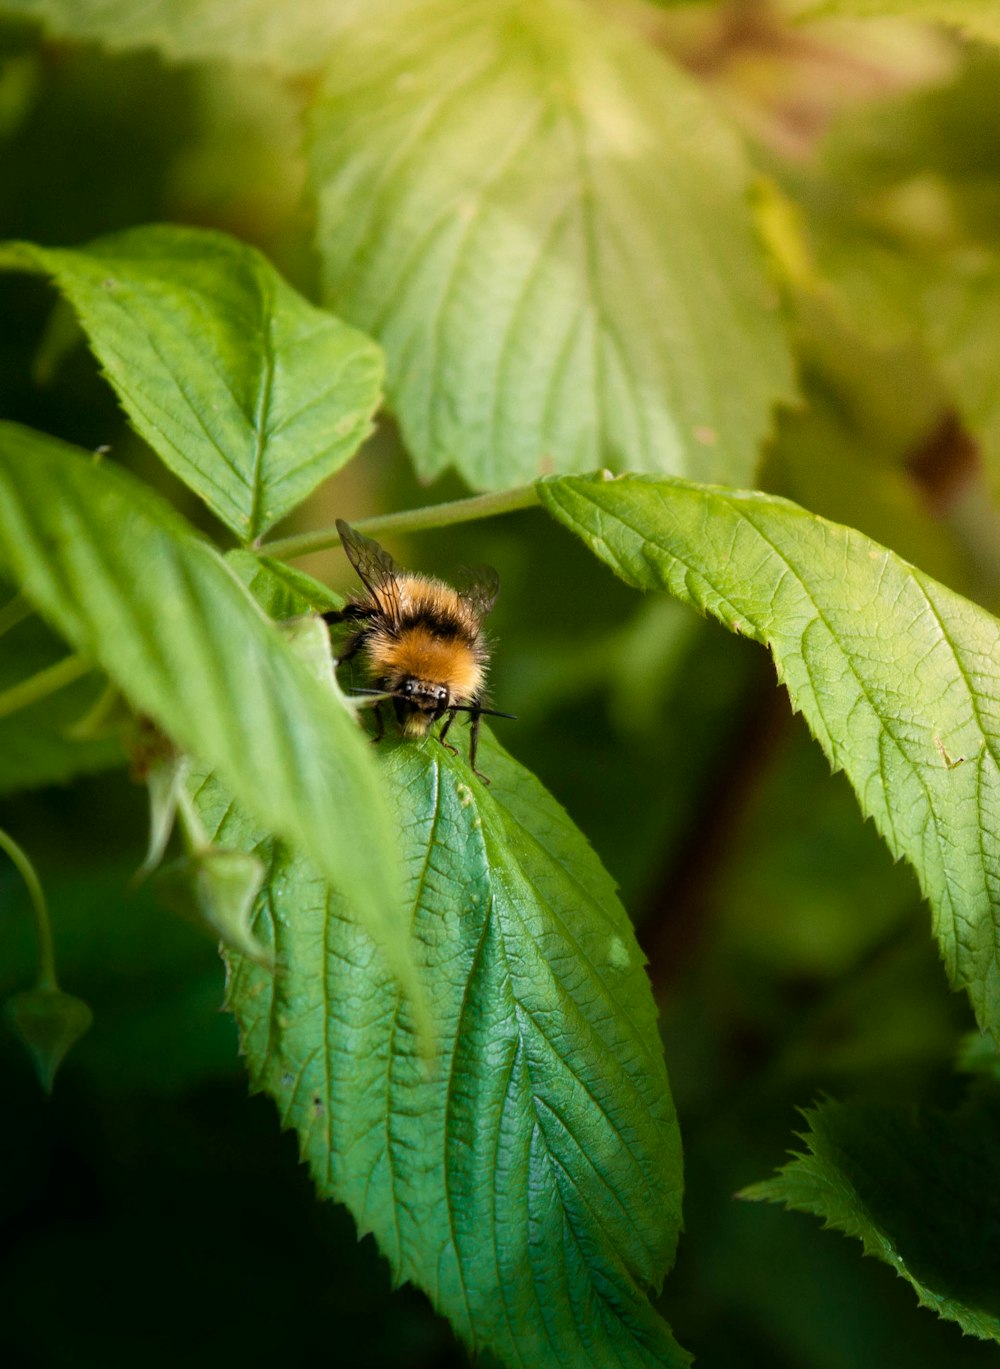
46 954
13 612
410 520
46 682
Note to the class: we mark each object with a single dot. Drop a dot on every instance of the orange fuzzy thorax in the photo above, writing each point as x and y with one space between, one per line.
419 654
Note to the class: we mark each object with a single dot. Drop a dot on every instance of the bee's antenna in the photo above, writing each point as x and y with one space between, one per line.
452 708
484 712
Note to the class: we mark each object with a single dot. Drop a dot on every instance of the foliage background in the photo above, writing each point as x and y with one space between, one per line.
150 1204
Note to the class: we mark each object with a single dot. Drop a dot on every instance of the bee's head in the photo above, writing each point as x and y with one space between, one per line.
418 703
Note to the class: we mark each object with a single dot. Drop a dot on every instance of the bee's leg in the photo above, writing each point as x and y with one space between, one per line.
402 708
474 744
379 722
443 733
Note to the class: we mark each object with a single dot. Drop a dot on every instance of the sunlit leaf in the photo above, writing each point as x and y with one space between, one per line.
294 35
919 1190
972 18
120 575
544 223
251 394
527 1176
897 676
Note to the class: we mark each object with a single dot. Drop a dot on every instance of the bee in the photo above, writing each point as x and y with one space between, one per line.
421 641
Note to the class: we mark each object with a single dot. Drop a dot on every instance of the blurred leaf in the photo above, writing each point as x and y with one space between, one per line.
295 35
846 453
909 239
49 1023
545 225
919 1190
897 676
972 18
978 1054
122 576
528 1176
247 391
962 313
216 889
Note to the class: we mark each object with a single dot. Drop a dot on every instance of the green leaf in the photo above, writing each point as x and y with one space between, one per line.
972 18
123 577
295 35
921 1191
545 225
897 676
49 1023
281 590
251 394
527 1176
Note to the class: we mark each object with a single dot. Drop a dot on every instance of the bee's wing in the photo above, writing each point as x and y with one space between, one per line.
479 586
376 569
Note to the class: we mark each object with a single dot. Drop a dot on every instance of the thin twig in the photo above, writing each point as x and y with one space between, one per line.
409 520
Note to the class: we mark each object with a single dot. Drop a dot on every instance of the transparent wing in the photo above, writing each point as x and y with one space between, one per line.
479 587
376 569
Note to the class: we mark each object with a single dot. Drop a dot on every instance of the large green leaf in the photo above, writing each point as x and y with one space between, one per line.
245 389
294 35
124 578
528 1175
897 676
921 1191
545 225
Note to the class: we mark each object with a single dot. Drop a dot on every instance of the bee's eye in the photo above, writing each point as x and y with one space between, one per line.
407 687
442 694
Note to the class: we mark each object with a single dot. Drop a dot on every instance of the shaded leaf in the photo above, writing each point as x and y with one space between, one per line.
545 225
41 744
251 394
123 576
527 1176
897 676
918 1189
49 1023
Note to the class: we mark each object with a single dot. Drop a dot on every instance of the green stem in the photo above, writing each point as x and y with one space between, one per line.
46 954
13 612
410 520
46 682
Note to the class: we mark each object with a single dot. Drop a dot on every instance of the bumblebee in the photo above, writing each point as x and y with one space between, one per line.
421 641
